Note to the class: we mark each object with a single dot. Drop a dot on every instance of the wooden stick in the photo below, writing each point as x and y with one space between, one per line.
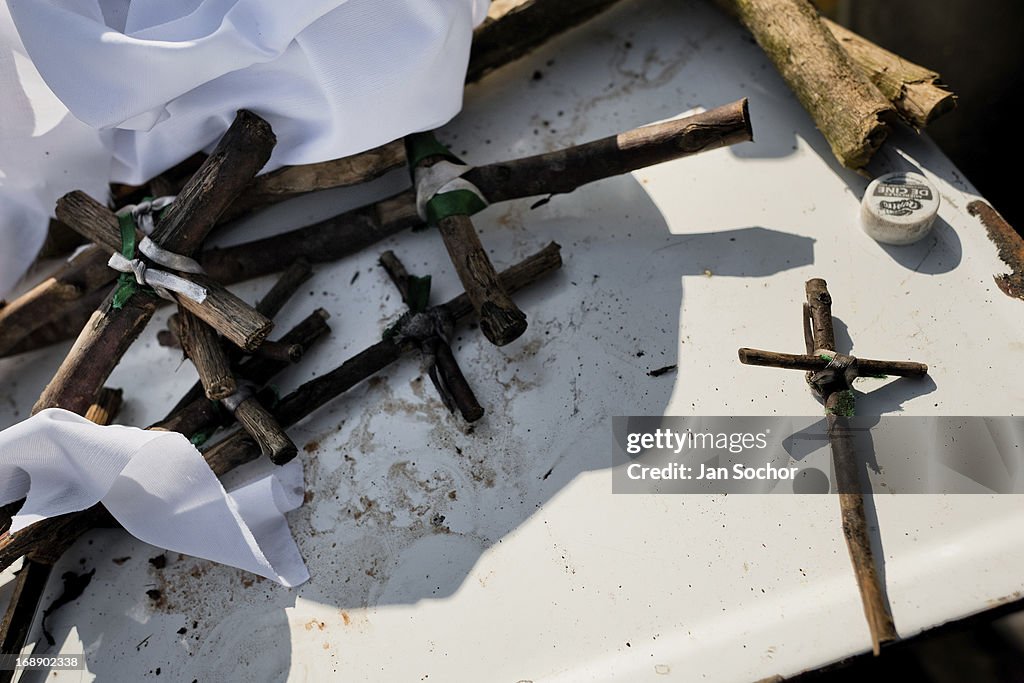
285 287
917 93
311 328
29 584
501 321
506 36
288 353
348 233
561 171
194 413
99 348
105 408
230 316
203 348
35 572
1009 243
846 106
819 309
55 298
851 497
240 154
264 429
566 169
397 272
237 321
811 362
270 305
292 181
239 447
451 383
443 369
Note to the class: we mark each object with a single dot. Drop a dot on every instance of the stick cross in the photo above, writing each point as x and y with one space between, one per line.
442 367
829 376
501 321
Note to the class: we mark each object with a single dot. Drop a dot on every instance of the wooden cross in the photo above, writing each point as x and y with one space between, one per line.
239 155
501 321
442 367
830 375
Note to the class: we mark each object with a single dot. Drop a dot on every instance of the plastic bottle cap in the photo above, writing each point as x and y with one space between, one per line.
899 208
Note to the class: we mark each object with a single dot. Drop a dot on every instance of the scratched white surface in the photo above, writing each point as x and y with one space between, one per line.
538 573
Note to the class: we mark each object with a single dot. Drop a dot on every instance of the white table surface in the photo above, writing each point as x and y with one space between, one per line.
539 573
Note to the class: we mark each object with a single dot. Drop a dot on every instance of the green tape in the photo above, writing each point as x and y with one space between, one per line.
454 203
126 284
419 293
420 146
418 302
199 438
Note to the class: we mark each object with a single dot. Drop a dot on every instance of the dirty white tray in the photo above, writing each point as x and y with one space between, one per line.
537 572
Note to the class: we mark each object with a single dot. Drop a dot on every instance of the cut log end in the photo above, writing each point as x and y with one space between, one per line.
265 430
222 389
257 337
501 326
921 103
106 406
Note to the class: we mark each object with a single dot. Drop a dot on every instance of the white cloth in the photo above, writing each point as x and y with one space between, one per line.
44 153
157 485
157 80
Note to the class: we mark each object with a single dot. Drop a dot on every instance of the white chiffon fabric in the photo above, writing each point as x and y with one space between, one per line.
157 485
155 81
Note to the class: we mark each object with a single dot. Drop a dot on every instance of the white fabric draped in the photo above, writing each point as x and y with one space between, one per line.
155 81
157 485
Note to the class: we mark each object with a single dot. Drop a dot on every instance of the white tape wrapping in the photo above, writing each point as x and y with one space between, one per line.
161 256
163 282
159 280
444 176
143 211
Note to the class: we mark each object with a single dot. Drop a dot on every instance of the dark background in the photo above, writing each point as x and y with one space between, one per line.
977 46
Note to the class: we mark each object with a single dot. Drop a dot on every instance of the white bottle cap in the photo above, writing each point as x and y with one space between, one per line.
899 208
